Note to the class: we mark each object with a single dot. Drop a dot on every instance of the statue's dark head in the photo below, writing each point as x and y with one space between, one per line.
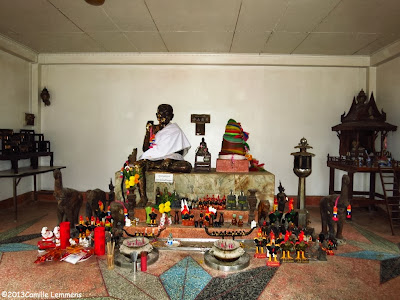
281 188
165 114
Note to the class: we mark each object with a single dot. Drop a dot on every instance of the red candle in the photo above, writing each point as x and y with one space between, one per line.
64 234
99 240
143 261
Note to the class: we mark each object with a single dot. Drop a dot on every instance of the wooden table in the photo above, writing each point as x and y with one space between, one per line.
24 172
351 169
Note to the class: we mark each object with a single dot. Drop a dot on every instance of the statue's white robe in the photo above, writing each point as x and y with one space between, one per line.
167 142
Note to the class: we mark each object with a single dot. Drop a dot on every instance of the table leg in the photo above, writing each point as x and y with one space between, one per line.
14 165
331 181
34 188
372 179
15 198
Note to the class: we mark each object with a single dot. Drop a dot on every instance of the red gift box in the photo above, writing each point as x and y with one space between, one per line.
229 165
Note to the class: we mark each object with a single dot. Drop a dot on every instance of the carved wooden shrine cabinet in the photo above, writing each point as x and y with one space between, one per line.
361 126
357 134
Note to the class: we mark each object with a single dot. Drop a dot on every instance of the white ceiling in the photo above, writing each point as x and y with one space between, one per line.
331 27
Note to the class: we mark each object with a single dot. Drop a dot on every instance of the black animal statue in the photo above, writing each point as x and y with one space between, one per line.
69 201
327 205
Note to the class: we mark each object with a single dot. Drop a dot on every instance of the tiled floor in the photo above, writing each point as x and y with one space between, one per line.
366 267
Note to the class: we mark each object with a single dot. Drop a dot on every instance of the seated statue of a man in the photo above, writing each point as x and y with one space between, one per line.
164 146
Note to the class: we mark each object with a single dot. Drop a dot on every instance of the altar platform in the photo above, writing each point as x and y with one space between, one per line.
181 231
200 184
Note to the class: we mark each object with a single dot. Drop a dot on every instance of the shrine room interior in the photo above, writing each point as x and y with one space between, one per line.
285 71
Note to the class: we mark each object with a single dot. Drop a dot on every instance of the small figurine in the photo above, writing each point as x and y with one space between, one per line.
111 194
47 239
210 215
170 240
107 225
56 232
234 221
202 158
291 216
301 246
176 218
253 224
242 201
282 198
231 201
153 217
221 219
240 222
260 242
275 207
81 227
272 251
287 246
100 213
158 196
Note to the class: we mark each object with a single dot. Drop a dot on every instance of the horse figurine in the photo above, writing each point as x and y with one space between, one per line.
333 209
69 201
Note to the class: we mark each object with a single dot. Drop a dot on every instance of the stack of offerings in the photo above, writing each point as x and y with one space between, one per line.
232 157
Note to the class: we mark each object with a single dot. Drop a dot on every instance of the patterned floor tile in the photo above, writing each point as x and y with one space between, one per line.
377 240
119 287
185 279
243 285
373 255
14 247
144 281
17 230
20 238
390 268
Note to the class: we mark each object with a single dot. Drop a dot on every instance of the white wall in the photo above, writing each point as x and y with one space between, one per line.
14 103
388 98
98 113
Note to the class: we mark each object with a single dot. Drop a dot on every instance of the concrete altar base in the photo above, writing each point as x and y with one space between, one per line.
197 185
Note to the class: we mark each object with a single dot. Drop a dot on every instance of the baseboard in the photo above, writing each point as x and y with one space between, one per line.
23 198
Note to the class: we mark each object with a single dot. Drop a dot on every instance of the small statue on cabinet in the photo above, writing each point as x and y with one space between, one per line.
202 158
